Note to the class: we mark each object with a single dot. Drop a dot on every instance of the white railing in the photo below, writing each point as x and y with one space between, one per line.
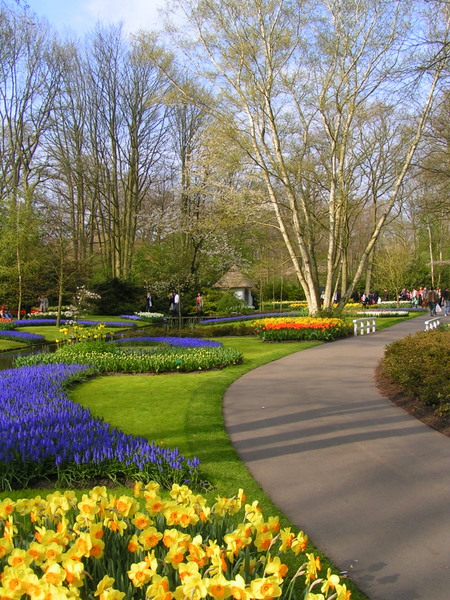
363 326
432 323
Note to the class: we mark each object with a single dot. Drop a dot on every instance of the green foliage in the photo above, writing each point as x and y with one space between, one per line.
420 364
228 304
118 297
7 326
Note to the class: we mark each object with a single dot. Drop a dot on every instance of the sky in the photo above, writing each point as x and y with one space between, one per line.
80 16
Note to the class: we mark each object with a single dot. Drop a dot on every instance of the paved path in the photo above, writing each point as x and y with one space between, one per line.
369 483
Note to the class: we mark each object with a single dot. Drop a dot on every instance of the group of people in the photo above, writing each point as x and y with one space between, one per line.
435 299
174 303
4 312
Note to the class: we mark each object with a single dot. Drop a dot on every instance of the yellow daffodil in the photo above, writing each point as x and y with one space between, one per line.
239 589
106 583
154 505
158 589
6 508
342 593
97 548
312 567
218 587
274 566
263 541
6 546
19 557
126 506
54 574
133 545
116 525
149 538
140 574
175 555
193 587
299 543
265 588
74 571
141 521
14 580
330 582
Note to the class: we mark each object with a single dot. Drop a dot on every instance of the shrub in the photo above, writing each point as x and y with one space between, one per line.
420 364
118 297
229 304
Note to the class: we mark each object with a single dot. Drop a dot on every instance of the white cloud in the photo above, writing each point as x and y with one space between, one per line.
135 14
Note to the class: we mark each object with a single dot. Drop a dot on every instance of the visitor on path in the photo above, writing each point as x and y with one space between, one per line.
199 304
446 299
172 303
431 300
149 302
176 303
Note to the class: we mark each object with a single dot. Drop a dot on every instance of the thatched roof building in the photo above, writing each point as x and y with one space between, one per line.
237 282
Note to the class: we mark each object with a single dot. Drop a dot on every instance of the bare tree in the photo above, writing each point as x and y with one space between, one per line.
127 125
29 79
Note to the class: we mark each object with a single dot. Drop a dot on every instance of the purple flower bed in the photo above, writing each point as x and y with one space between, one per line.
132 317
242 317
21 336
44 434
186 342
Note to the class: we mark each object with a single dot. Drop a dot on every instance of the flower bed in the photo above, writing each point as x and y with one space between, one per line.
302 328
150 317
187 342
21 336
245 317
375 313
108 357
173 549
48 436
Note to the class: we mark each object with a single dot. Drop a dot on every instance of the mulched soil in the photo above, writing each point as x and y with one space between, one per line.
412 405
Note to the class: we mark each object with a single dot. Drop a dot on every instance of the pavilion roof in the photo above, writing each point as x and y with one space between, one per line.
234 278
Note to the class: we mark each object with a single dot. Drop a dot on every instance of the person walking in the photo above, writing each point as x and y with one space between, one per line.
149 302
199 304
446 299
431 300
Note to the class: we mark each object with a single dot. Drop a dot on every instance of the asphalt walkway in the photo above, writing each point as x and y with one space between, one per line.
367 482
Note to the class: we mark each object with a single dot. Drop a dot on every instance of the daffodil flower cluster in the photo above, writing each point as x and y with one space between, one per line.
144 546
79 333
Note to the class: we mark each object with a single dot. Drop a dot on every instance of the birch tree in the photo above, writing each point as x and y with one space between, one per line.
294 80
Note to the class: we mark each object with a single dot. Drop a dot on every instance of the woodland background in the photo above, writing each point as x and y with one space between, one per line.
307 142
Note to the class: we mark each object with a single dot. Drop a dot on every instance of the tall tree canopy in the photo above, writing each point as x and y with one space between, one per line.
297 84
